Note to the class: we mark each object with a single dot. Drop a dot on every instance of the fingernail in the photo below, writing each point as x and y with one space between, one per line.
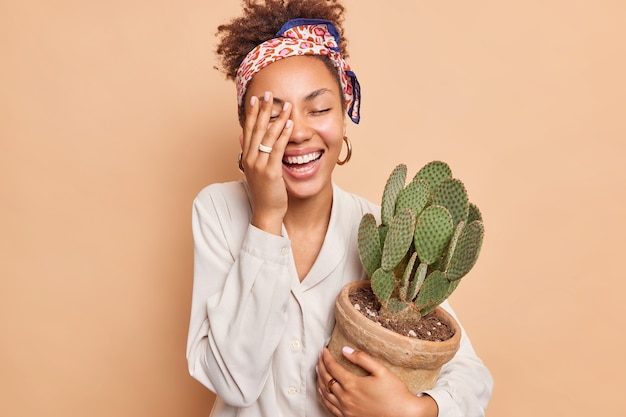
288 124
253 100
348 350
316 369
286 106
266 96
320 391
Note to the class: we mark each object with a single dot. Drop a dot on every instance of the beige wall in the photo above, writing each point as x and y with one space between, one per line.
112 119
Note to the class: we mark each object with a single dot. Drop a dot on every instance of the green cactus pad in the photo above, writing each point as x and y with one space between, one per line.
433 291
382 283
400 269
398 239
434 173
369 244
452 195
445 264
415 196
393 188
417 281
382 234
406 279
466 252
433 231
452 287
474 213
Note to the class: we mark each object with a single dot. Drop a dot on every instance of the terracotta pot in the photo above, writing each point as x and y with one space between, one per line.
416 362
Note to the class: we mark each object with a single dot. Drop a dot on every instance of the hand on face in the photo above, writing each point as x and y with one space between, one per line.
264 170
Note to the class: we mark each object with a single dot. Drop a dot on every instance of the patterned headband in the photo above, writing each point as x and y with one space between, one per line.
301 37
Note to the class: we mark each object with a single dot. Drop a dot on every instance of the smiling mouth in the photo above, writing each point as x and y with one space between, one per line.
302 161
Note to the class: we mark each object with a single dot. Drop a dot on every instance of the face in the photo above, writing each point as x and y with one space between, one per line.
318 117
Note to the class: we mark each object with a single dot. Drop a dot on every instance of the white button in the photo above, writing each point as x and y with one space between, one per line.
292 391
284 251
295 344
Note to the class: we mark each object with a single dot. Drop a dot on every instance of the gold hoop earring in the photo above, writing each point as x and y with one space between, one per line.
349 154
239 162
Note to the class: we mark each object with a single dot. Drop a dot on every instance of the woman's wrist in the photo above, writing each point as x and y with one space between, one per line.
269 224
420 406
428 406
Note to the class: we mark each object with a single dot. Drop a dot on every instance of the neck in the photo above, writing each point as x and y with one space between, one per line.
311 213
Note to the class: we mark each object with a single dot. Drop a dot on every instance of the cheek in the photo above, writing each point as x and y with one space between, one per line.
334 141
332 128
332 132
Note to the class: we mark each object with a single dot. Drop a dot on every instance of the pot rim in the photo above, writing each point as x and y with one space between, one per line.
345 308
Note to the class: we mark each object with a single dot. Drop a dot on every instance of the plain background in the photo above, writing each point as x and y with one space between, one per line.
112 118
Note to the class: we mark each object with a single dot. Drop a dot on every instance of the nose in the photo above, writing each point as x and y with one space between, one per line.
302 129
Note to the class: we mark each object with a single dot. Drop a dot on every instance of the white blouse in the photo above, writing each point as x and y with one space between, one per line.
256 331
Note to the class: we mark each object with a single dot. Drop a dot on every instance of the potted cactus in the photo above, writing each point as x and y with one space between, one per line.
429 238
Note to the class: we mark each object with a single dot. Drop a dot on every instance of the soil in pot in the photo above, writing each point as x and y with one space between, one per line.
430 327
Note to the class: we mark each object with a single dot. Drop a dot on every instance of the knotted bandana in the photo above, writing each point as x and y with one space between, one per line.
300 37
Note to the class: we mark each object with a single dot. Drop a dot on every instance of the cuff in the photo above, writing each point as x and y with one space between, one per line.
267 246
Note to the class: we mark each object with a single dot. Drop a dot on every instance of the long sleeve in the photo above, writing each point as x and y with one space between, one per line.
465 384
240 294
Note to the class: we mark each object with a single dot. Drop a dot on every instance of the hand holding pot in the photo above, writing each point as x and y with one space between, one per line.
379 393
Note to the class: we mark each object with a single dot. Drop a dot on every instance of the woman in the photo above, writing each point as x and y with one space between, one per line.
273 251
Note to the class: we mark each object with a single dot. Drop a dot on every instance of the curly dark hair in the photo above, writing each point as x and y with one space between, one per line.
261 20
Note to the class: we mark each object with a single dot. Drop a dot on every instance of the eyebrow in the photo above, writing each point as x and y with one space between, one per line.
308 97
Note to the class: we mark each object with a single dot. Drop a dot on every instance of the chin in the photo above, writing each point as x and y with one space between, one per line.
308 189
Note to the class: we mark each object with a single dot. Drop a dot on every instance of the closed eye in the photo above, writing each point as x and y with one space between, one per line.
321 111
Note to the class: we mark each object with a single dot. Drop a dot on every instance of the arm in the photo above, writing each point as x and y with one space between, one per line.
465 384
463 388
241 289
241 279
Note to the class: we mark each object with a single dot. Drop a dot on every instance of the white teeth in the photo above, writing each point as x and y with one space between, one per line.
302 159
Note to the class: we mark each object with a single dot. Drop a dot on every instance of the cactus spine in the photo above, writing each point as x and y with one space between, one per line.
429 238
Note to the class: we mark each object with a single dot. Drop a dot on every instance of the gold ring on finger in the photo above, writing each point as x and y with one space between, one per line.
330 384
